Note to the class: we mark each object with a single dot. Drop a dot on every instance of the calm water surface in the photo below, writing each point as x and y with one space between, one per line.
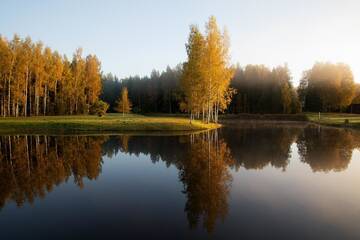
253 182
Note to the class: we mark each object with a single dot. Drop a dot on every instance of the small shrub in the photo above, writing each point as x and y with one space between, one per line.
99 108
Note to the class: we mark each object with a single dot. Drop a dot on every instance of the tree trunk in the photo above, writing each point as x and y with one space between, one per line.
203 114
17 109
26 92
209 113
13 109
9 94
3 106
37 103
45 99
30 112
55 105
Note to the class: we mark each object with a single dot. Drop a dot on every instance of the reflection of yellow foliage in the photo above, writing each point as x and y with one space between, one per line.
124 142
30 166
206 180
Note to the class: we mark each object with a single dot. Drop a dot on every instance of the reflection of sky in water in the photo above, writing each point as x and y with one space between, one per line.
139 197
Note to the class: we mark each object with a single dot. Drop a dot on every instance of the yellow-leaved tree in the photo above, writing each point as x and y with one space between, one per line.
192 80
123 105
35 80
207 73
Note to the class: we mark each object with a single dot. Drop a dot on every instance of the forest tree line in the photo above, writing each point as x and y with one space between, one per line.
159 92
259 89
35 80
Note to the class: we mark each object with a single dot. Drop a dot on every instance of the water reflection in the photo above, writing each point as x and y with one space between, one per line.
327 149
206 178
203 161
256 148
32 166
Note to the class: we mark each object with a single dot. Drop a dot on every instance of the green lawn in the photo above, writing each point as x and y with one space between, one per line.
108 123
335 119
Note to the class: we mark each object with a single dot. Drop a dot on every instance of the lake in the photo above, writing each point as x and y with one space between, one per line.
249 181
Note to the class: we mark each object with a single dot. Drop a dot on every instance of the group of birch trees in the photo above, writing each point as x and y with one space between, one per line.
34 80
207 73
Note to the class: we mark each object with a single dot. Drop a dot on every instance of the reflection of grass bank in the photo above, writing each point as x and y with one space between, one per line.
335 119
108 123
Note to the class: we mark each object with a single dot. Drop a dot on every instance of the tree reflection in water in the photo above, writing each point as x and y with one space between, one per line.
203 161
327 149
206 178
255 147
31 166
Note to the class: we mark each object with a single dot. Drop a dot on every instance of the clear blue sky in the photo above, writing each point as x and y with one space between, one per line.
134 37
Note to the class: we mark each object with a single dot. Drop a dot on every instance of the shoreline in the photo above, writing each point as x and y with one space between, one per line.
115 123
336 120
111 123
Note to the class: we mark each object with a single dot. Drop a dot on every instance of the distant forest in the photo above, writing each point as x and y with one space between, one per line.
160 92
259 89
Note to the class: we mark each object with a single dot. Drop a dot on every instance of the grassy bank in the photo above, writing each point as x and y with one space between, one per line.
108 123
112 123
335 119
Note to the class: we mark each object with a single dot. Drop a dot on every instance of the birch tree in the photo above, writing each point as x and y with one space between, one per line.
123 104
207 72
